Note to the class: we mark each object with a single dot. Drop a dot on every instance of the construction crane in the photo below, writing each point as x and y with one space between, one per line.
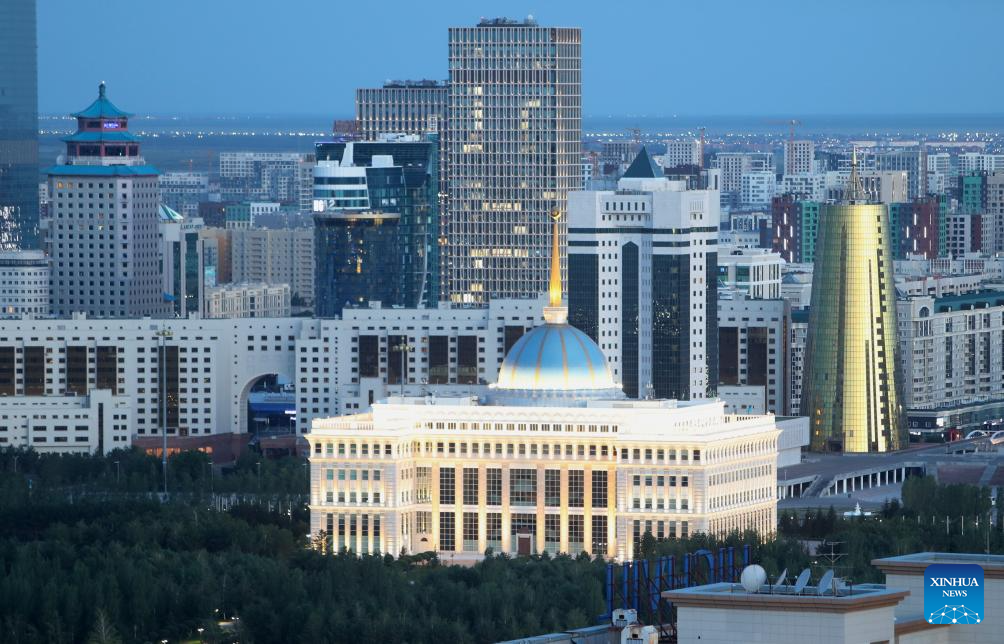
791 123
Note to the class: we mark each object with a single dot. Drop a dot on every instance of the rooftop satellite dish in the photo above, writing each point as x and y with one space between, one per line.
825 583
781 579
802 580
753 577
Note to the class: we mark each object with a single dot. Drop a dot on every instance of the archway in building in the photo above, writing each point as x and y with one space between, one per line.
267 407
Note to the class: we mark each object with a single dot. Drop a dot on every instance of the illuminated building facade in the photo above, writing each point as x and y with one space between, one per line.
551 458
514 130
850 388
103 223
18 126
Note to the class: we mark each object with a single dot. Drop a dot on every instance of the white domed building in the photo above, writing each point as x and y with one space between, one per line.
552 458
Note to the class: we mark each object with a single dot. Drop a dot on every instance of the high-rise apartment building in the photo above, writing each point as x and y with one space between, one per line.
993 217
735 164
283 177
919 227
798 157
682 152
794 224
643 281
850 388
274 256
18 126
514 130
401 107
102 229
183 191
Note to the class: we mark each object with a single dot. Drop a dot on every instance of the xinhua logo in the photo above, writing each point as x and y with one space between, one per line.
953 593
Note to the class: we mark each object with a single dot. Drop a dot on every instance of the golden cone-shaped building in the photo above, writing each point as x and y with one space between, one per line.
850 390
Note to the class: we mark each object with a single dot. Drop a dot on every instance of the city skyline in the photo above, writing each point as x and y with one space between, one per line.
832 79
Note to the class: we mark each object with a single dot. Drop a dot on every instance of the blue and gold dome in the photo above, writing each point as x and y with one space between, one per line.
555 357
556 360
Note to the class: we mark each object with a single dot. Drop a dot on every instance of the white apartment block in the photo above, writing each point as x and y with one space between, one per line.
182 191
951 349
736 164
799 157
806 186
274 256
757 189
248 301
24 283
682 152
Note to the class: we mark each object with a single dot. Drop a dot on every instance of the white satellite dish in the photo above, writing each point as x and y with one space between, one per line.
781 579
824 583
802 580
753 577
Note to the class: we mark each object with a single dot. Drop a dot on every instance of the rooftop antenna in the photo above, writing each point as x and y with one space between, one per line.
855 191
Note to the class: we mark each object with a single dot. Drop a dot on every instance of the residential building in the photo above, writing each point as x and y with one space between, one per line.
993 219
963 234
804 187
405 107
919 227
245 214
103 222
736 164
376 221
754 272
284 177
275 256
514 132
952 350
796 339
24 283
19 207
799 157
795 224
850 389
248 301
756 189
184 191
682 152
878 186
643 281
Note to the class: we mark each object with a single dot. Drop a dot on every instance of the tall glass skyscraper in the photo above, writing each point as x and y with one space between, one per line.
850 388
514 126
18 126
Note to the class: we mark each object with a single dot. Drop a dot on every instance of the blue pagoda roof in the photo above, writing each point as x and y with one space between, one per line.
102 108
102 170
99 137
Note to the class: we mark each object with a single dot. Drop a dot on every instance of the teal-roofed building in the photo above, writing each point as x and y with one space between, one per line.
102 229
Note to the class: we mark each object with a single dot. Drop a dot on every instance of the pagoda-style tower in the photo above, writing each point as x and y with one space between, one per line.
102 229
102 136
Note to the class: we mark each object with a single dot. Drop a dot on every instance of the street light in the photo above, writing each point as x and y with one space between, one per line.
403 348
259 475
200 629
162 337
118 473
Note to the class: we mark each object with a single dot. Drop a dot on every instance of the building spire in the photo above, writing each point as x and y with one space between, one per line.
855 191
101 89
555 312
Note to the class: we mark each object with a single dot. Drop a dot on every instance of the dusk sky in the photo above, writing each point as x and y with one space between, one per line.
654 58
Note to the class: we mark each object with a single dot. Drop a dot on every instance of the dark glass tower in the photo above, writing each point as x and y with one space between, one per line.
376 218
18 126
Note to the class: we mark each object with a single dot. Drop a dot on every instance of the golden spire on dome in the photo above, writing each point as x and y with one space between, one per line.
555 312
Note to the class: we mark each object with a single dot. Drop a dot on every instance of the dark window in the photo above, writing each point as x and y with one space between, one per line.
467 360
369 356
439 360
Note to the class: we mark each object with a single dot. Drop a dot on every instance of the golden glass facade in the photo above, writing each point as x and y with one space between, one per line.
850 389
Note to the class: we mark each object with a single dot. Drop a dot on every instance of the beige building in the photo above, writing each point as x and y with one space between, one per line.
248 301
274 256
